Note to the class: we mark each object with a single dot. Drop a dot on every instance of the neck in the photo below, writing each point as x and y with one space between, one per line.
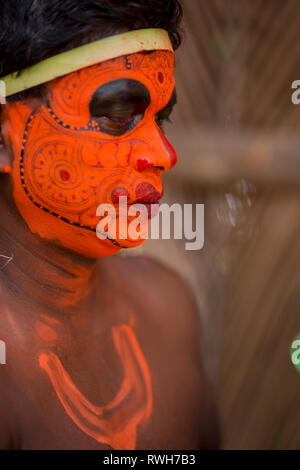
39 272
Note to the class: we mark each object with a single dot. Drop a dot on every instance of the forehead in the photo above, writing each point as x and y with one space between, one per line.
155 70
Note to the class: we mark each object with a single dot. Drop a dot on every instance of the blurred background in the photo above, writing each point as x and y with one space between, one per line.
237 135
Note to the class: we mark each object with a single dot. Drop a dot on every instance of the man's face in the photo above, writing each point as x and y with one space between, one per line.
95 138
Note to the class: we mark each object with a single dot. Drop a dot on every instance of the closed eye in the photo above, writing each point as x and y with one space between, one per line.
117 123
118 106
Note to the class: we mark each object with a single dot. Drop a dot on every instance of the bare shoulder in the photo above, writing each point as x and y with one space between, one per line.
171 320
149 273
149 276
164 296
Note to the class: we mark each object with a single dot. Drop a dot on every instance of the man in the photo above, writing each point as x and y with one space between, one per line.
102 352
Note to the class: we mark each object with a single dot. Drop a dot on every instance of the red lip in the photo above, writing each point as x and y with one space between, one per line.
147 194
149 197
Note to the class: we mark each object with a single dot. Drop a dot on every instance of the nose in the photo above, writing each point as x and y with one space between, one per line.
155 152
170 149
143 163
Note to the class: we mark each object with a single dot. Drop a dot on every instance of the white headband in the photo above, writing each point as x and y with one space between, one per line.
84 56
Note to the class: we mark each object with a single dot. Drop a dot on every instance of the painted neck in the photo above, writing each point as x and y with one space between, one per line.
39 272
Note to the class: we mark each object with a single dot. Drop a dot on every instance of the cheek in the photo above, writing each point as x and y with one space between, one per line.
53 176
68 176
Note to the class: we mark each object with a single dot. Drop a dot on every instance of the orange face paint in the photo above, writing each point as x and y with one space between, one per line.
116 423
45 332
69 158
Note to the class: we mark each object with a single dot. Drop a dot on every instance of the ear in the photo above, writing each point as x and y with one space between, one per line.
5 157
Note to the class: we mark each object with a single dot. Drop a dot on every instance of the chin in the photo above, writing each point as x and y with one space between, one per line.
76 239
79 239
89 246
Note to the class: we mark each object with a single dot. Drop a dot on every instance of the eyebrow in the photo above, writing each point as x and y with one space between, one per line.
119 95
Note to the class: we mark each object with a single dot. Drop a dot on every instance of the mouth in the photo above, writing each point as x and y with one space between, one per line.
147 201
149 197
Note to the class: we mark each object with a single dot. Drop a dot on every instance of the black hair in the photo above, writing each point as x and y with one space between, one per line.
33 30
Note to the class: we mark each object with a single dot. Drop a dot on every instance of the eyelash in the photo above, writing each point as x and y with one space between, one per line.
160 118
121 121
164 116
